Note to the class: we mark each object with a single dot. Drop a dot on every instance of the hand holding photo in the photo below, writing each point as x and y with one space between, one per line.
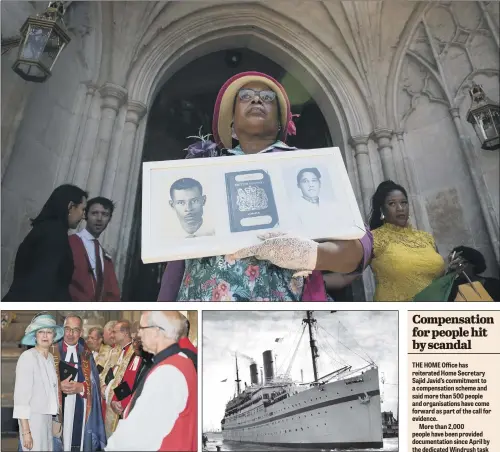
283 250
219 206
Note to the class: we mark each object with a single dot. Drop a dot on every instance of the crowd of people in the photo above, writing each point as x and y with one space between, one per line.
123 387
252 115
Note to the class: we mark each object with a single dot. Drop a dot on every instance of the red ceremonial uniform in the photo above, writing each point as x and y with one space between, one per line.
129 377
83 282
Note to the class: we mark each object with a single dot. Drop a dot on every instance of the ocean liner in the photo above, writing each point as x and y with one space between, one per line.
339 410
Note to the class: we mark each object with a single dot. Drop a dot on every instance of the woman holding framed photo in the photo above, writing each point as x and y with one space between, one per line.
254 109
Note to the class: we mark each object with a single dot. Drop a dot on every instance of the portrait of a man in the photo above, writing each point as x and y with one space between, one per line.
188 201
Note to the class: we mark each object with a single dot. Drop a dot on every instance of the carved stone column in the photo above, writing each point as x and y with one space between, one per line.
482 192
81 151
415 207
135 112
491 24
383 139
360 145
113 97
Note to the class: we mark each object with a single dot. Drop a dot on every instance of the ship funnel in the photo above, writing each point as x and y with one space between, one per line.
268 365
254 375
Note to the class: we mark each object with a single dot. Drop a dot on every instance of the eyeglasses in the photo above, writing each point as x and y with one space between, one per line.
247 94
45 332
69 330
139 328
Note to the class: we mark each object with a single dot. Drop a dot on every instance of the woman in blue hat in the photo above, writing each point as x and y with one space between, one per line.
36 392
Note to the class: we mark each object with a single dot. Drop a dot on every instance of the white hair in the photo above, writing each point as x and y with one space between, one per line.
171 326
110 325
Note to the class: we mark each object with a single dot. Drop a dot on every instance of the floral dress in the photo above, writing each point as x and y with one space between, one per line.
218 279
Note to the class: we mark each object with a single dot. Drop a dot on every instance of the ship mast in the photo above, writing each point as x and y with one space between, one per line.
237 376
312 342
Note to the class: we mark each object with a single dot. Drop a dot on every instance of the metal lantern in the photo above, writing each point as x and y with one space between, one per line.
43 38
484 115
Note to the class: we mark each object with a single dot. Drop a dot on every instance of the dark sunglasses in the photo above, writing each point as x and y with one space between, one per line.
247 94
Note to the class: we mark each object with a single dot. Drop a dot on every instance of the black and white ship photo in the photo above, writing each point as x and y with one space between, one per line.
301 380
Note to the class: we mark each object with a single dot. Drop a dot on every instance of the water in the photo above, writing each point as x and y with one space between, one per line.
215 439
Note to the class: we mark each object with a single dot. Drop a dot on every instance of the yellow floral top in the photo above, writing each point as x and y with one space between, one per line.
404 262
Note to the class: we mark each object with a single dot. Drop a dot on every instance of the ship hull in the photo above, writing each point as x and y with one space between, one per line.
338 416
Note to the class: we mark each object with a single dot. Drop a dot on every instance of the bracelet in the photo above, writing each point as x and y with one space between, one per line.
25 433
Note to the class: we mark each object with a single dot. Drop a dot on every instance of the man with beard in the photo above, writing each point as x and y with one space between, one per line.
94 277
79 397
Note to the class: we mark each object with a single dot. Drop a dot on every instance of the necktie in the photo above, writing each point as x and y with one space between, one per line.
98 270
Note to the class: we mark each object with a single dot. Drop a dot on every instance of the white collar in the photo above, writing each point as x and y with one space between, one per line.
84 234
126 345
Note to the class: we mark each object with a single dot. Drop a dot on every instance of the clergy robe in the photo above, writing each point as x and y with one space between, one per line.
101 356
81 416
126 369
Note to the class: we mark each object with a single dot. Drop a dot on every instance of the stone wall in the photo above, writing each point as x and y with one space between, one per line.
453 45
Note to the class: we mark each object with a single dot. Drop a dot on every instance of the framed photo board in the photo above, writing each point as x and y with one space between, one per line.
213 206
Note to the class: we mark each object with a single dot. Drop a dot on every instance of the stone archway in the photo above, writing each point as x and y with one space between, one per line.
183 108
258 28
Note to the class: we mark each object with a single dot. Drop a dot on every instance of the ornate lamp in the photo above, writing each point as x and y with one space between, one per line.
484 115
43 38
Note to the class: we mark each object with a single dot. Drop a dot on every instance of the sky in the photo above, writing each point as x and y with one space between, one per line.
343 337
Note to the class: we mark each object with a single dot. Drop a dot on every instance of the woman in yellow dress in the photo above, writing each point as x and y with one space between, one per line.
404 259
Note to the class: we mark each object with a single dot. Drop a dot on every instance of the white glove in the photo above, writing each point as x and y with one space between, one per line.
283 250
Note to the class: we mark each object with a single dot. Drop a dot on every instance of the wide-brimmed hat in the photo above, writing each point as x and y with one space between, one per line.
40 322
223 111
